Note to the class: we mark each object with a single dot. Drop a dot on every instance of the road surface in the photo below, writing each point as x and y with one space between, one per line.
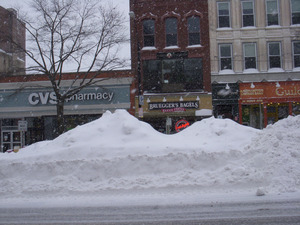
262 213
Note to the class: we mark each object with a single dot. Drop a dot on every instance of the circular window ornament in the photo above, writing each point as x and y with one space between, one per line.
181 125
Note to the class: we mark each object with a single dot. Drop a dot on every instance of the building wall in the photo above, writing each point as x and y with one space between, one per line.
260 34
159 11
12 58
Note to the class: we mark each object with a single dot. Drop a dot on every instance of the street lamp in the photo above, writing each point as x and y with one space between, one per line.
140 97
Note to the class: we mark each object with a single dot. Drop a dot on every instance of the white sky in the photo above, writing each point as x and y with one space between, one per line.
122 4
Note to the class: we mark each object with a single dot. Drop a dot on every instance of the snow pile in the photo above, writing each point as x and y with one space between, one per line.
118 153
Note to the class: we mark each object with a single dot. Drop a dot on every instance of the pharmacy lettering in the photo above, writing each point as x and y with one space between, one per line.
173 106
45 98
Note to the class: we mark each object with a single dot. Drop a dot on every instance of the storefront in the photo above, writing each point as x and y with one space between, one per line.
170 113
225 100
265 103
28 110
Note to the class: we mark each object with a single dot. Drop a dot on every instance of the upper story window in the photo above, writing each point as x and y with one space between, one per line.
194 30
250 56
149 33
223 14
272 12
274 53
248 14
296 53
295 11
225 56
171 32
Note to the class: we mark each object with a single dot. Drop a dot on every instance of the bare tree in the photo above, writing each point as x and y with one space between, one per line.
83 34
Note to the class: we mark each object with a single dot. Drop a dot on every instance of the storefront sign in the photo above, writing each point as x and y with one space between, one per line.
267 90
173 106
50 97
181 124
38 97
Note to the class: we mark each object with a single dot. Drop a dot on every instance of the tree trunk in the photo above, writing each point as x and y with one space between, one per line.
60 117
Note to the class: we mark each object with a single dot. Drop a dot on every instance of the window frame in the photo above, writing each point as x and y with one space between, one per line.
269 55
225 57
198 33
242 12
172 34
295 55
229 14
148 35
291 10
278 13
244 54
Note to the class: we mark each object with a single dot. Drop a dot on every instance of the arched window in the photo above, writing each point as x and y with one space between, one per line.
194 30
171 31
149 32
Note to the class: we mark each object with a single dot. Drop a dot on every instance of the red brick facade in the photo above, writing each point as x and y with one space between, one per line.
12 30
160 10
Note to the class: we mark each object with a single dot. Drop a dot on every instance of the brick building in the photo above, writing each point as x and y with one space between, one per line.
12 35
171 62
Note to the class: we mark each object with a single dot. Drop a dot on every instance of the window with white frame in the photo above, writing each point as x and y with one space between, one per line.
295 11
248 16
225 56
250 61
274 53
296 54
223 14
272 12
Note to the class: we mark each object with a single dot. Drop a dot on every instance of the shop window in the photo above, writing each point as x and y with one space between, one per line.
295 11
274 53
149 33
272 12
223 14
171 32
250 55
194 30
172 75
248 14
296 53
225 54
296 109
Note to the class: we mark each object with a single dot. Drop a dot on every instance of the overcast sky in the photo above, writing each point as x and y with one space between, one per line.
122 4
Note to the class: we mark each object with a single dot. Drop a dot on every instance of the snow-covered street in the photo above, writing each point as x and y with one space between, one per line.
118 159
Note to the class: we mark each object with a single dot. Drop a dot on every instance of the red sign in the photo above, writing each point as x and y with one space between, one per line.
181 124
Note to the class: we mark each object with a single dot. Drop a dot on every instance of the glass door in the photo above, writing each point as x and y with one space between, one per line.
11 140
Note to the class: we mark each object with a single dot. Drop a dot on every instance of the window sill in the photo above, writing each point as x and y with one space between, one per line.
224 29
194 46
221 72
247 71
275 70
249 28
149 48
172 47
